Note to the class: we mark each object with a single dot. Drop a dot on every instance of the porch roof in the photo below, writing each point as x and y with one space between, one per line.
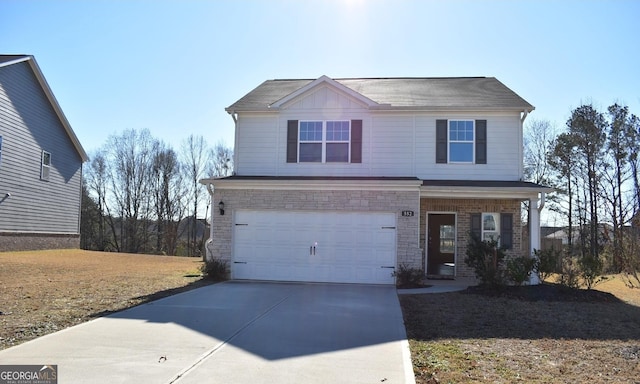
482 189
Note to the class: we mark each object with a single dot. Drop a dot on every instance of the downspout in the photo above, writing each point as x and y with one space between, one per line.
210 189
525 113
234 116
542 201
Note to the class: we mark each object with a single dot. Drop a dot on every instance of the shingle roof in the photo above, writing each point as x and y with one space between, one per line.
401 93
7 58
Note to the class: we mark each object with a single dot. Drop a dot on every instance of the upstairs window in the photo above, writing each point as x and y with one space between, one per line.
311 142
324 141
461 140
335 141
45 166
338 136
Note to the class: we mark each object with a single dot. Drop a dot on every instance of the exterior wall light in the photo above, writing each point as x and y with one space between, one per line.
221 208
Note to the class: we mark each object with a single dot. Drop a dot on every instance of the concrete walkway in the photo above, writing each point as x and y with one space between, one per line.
237 332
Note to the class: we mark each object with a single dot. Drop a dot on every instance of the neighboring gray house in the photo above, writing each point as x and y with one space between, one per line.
40 162
345 180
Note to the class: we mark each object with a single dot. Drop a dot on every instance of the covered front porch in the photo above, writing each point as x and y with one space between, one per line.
451 210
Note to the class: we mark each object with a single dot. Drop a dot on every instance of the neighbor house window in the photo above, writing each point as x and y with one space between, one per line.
324 141
45 165
461 141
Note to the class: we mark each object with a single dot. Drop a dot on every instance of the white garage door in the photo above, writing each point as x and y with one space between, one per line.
344 247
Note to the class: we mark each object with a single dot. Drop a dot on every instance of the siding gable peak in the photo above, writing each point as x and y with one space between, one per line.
7 60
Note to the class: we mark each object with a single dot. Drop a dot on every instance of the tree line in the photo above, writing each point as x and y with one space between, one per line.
593 164
142 195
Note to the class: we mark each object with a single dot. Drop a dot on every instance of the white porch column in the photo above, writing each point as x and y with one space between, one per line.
534 232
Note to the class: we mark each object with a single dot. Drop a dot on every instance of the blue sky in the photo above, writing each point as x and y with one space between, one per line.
173 66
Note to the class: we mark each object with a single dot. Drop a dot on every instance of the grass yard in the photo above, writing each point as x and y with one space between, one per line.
538 334
45 291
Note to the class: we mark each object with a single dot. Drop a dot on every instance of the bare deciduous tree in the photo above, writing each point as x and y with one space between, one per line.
196 157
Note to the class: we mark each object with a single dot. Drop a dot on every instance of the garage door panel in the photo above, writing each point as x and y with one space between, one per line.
349 247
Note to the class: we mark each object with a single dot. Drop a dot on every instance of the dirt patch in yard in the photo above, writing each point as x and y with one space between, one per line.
45 291
543 334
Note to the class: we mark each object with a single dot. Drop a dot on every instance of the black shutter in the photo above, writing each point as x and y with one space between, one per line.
356 141
292 141
506 230
476 225
441 141
481 141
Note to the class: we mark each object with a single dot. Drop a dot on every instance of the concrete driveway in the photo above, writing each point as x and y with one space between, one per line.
237 332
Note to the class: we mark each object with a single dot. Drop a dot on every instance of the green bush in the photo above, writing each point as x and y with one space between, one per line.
547 262
591 270
407 277
519 269
570 276
486 259
216 269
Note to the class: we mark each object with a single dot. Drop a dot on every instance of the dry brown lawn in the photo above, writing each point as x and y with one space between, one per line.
518 336
526 335
45 291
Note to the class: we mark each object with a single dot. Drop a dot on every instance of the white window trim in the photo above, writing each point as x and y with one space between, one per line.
483 230
449 141
324 142
45 167
0 150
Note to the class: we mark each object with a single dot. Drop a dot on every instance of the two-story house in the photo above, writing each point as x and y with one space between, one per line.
40 162
345 180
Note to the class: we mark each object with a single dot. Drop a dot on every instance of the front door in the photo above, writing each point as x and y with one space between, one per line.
441 244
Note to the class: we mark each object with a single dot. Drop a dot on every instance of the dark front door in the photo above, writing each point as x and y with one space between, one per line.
441 244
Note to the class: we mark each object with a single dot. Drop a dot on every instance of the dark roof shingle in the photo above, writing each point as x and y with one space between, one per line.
401 93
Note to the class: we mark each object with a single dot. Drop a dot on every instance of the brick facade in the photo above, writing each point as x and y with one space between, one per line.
37 241
463 208
409 252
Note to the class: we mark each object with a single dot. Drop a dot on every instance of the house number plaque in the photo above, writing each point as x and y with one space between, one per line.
407 213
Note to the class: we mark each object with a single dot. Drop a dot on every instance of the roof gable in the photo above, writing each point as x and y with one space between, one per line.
6 60
323 82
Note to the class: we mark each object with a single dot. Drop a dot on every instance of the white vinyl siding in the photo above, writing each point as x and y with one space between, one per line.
257 142
504 145
393 144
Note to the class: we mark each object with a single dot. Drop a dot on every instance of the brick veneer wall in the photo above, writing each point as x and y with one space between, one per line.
36 241
464 208
408 248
